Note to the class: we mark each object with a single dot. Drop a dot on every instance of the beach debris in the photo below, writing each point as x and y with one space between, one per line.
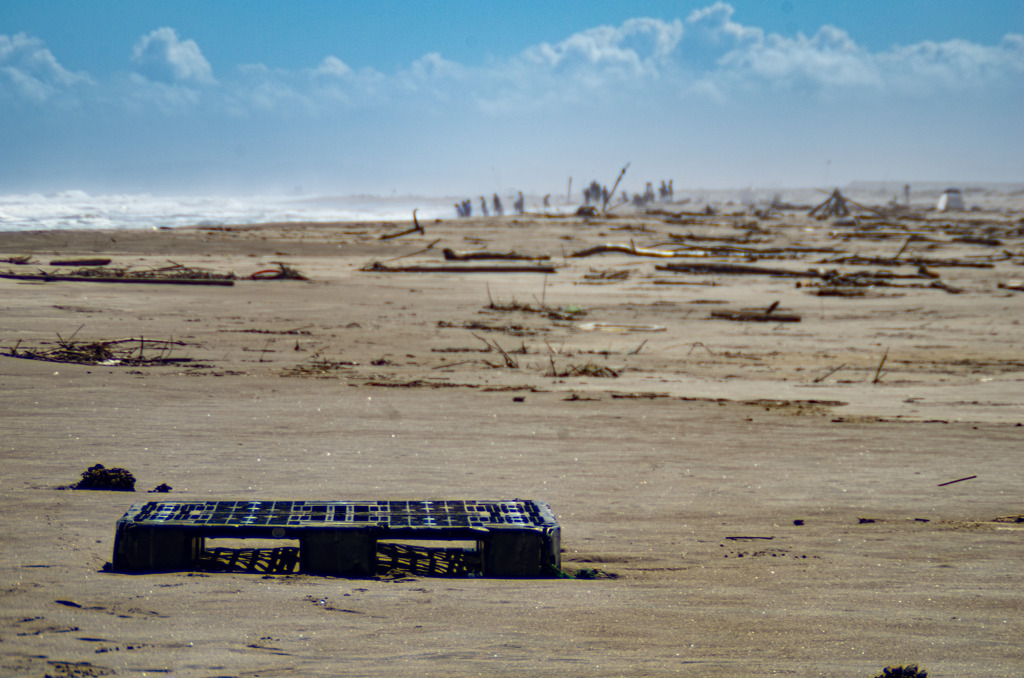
510 362
99 477
619 327
828 374
514 330
607 196
837 205
317 366
129 352
958 480
415 229
453 255
589 369
20 260
282 272
378 267
757 315
623 249
1016 285
908 671
857 260
162 487
174 274
878 372
80 262
736 269
607 275
586 211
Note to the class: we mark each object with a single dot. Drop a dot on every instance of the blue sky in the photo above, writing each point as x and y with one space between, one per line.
475 97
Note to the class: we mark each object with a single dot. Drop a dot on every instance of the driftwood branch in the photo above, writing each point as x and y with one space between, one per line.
611 193
623 249
377 267
46 277
454 255
415 229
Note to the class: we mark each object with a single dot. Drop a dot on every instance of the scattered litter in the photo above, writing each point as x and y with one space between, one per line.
282 272
619 327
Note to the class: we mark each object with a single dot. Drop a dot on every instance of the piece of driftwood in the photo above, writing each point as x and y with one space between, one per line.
46 277
736 269
757 315
916 261
80 262
838 205
453 255
623 249
377 267
611 193
415 229
1016 285
750 315
958 480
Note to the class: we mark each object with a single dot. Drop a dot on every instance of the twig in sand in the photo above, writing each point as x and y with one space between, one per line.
415 229
412 254
636 351
828 374
696 344
897 256
510 362
878 372
958 480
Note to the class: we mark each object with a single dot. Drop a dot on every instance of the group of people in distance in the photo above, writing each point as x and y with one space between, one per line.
594 193
464 209
597 194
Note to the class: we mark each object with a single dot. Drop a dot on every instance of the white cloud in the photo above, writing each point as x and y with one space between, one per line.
954 64
636 48
829 58
334 67
160 56
31 70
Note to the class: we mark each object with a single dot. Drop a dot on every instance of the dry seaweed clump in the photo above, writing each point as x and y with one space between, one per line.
99 477
134 351
172 272
908 671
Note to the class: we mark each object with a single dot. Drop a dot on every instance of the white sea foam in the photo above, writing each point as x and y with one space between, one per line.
80 210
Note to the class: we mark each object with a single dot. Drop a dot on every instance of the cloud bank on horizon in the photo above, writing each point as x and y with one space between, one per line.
705 99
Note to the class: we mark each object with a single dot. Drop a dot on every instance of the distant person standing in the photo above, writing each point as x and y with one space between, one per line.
483 206
499 211
518 204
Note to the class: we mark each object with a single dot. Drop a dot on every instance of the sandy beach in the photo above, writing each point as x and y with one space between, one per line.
760 495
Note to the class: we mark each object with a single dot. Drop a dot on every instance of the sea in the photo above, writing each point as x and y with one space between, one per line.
69 210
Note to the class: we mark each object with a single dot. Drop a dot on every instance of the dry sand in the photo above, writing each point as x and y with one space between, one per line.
360 385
